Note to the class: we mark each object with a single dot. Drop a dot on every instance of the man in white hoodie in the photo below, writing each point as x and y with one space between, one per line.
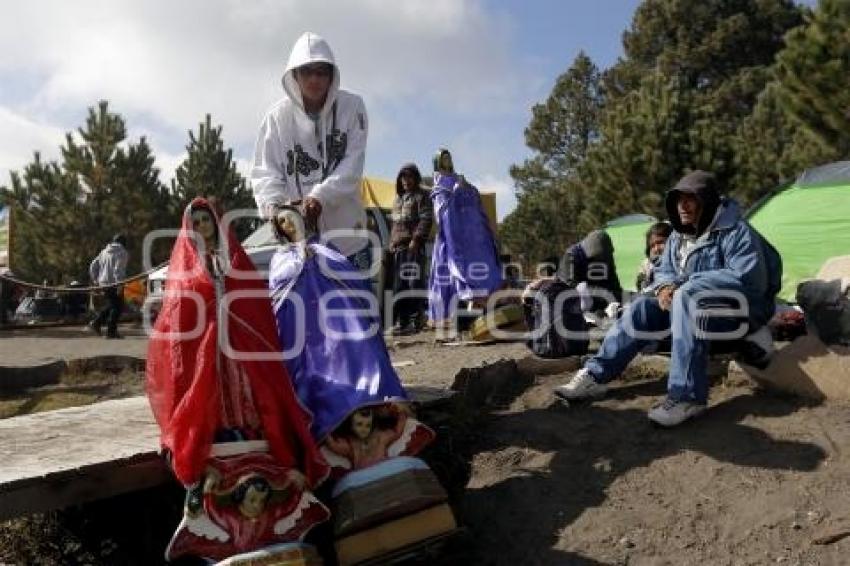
311 148
107 269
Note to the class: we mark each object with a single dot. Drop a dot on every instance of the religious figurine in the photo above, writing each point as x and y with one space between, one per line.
330 335
465 261
232 428
363 443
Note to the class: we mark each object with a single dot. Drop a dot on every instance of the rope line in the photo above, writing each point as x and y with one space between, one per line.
89 289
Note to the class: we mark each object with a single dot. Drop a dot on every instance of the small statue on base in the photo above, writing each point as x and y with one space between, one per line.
361 442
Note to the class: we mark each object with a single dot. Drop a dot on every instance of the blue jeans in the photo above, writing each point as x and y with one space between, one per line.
688 353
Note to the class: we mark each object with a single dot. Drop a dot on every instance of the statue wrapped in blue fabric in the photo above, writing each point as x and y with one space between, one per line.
465 263
330 334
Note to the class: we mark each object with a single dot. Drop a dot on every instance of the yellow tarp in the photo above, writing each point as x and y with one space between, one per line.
380 193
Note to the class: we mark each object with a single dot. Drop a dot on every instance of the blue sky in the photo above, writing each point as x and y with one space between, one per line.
459 73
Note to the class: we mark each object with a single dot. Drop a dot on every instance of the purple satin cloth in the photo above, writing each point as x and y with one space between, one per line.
465 262
333 374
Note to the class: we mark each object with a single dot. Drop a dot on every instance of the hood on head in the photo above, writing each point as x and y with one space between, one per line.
704 186
407 168
309 48
597 246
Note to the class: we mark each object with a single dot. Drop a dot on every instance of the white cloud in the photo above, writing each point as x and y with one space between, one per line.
164 64
19 136
178 60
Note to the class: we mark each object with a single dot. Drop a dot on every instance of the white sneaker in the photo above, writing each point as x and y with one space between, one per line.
581 386
672 413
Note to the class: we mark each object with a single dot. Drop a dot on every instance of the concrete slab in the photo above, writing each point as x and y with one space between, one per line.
71 456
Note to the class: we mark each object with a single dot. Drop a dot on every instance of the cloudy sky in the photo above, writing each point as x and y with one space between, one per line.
459 73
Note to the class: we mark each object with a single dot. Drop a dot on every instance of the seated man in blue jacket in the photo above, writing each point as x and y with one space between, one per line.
713 260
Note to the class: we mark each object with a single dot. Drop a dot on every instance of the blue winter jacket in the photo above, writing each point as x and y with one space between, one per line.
729 255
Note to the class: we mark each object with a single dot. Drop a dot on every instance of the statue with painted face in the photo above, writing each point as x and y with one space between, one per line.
329 332
233 431
465 262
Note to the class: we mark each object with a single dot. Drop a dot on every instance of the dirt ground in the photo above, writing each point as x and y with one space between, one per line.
759 479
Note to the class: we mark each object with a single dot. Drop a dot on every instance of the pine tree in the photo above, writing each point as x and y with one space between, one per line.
561 132
702 43
812 76
645 148
66 213
562 128
209 171
772 147
45 202
691 74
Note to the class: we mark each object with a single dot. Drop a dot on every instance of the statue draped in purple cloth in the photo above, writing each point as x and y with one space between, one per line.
333 347
465 262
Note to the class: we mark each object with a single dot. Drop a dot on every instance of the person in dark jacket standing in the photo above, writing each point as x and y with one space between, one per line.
108 268
413 216
713 261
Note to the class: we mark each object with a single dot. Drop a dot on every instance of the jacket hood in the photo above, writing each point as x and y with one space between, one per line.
597 246
704 186
407 168
309 48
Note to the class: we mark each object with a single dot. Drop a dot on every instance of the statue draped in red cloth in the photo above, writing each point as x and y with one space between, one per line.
234 431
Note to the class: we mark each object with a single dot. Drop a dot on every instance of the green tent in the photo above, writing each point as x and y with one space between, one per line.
807 221
628 234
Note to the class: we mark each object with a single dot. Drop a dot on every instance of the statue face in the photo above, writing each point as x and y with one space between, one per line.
361 424
446 162
254 502
203 224
291 225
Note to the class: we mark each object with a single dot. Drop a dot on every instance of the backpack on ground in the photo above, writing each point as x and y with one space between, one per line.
547 316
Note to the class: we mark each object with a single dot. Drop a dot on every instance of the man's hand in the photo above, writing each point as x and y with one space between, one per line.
312 209
414 246
665 297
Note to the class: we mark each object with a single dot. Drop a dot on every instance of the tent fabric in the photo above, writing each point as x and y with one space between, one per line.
831 173
807 225
628 234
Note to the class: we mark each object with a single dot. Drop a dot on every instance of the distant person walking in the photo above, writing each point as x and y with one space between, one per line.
108 268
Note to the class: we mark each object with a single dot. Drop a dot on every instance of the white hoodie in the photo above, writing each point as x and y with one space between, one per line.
333 177
110 265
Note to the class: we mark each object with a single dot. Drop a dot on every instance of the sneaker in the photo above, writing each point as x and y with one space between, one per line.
114 337
581 386
672 412
93 328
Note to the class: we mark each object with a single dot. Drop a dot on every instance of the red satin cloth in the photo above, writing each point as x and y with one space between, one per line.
191 395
